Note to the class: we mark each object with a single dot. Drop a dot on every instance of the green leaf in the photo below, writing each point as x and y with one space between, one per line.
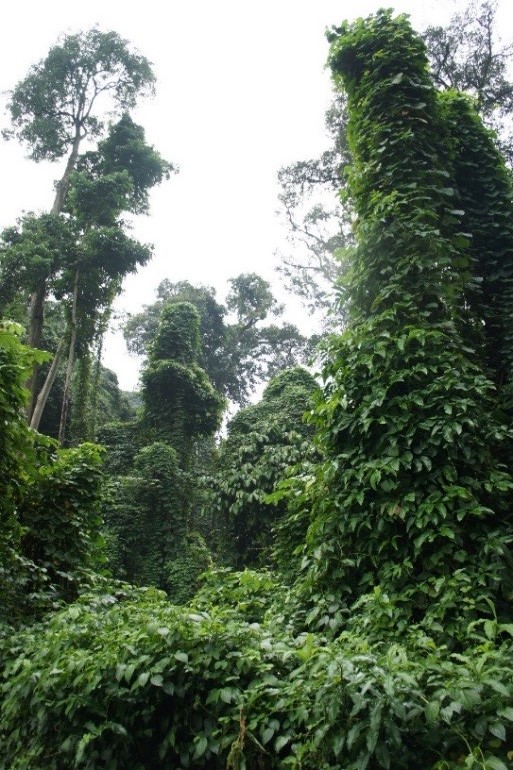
490 629
281 742
182 656
498 729
383 755
226 695
200 746
143 678
432 711
494 763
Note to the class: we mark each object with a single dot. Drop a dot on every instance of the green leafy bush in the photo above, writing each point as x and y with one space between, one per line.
124 680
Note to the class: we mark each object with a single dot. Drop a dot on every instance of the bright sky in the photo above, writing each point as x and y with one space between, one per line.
241 91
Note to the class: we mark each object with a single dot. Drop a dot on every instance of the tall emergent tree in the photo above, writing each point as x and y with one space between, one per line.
63 100
107 183
55 107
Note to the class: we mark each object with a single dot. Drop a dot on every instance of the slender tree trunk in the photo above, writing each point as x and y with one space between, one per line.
80 422
71 358
37 299
61 188
36 320
45 390
96 386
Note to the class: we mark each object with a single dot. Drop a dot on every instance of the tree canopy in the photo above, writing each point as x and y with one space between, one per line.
80 251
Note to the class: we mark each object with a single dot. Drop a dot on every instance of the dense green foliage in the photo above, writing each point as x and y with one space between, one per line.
145 514
15 455
180 402
50 542
79 251
387 639
413 496
153 501
240 347
125 680
264 443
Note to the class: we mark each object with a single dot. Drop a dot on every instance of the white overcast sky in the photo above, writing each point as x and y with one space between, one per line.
241 91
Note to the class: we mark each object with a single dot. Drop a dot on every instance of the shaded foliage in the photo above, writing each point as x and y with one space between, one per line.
485 194
144 514
265 441
50 534
180 403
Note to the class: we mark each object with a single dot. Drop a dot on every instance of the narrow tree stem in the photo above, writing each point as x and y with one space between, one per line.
45 390
71 358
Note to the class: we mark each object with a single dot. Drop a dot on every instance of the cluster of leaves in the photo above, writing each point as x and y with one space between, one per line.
123 679
467 55
264 443
236 353
50 540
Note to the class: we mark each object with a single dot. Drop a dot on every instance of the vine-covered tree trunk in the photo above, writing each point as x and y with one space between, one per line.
412 490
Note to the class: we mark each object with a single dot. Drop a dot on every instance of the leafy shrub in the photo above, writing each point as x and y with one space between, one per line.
183 574
124 680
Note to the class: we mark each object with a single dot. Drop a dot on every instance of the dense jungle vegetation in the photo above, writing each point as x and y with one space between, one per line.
330 584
